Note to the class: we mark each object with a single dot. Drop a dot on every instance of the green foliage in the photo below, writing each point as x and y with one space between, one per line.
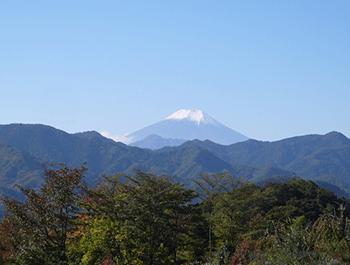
148 219
211 187
144 219
19 167
162 213
324 242
45 219
295 242
249 213
102 239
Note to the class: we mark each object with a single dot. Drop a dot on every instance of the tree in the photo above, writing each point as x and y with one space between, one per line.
10 239
211 187
47 217
145 219
163 213
105 215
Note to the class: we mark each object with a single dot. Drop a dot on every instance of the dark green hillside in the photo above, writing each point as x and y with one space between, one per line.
279 153
324 161
19 167
102 155
185 163
308 156
27 146
106 157
53 145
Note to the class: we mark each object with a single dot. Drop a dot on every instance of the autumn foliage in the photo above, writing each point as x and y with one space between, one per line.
149 219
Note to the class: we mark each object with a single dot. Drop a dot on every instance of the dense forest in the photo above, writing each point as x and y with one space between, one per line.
150 219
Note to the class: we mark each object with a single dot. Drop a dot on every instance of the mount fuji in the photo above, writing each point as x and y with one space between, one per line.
182 126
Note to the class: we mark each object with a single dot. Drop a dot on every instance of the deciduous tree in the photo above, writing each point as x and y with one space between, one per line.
48 216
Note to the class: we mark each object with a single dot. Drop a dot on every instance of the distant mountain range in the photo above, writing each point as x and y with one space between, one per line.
308 156
24 147
182 126
164 148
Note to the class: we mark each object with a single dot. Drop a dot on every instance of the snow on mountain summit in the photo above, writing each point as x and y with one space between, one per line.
189 125
197 116
181 126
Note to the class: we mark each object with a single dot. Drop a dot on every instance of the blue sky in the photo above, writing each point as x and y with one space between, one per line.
267 69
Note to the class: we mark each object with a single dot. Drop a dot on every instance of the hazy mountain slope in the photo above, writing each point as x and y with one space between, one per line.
188 125
41 141
188 162
277 179
337 190
334 181
284 152
154 142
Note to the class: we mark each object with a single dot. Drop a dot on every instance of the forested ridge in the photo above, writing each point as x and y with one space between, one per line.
153 219
24 147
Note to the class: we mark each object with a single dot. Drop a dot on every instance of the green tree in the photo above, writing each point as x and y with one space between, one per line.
162 213
140 219
211 188
103 235
47 217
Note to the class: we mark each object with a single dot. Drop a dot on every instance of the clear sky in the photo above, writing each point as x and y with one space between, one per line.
267 69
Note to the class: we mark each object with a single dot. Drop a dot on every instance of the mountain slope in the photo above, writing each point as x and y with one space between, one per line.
308 156
154 142
104 156
24 147
17 166
188 125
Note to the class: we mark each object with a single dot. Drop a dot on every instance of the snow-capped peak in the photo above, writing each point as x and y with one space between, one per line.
197 116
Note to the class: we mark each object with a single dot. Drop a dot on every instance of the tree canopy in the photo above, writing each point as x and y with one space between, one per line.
152 219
